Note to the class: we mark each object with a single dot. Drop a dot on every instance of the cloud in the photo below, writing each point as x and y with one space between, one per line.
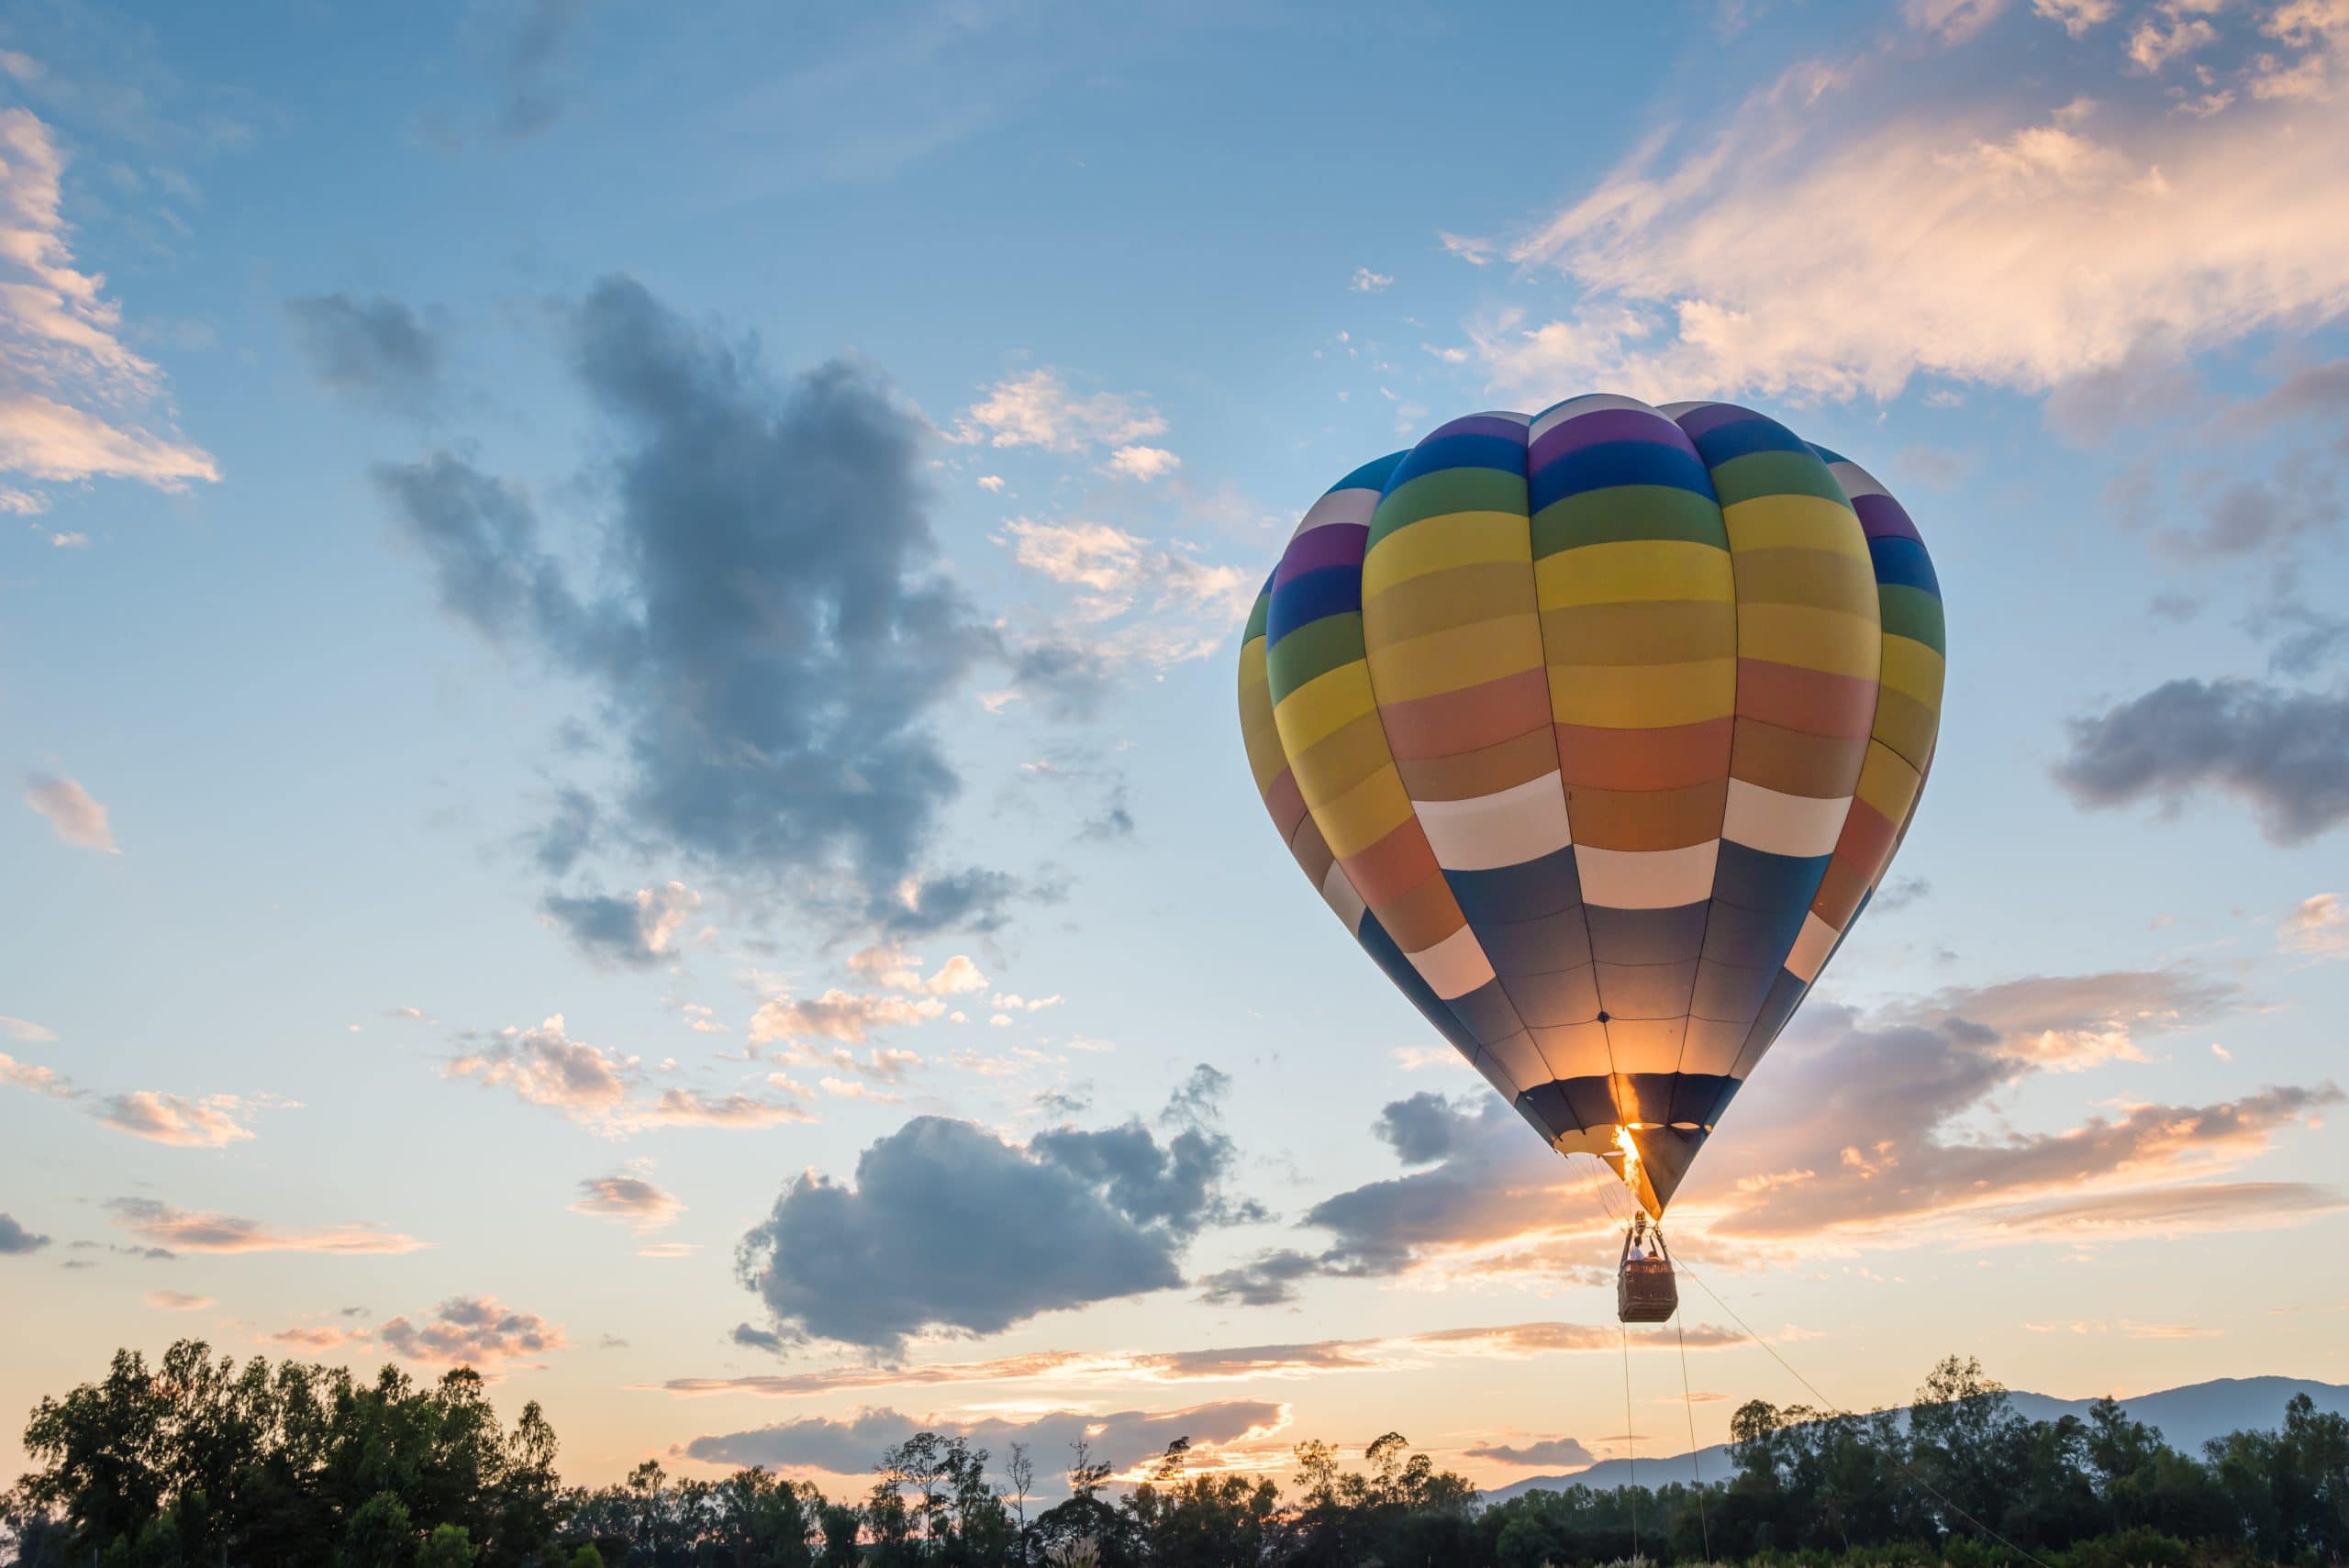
630 1198
478 1331
1365 280
33 1076
948 1227
177 1301
635 930
544 1066
315 1338
1133 601
777 628
1121 1438
838 1014
75 817
528 59
2077 16
69 387
2284 752
1777 253
1038 410
24 1031
2210 1205
1563 1453
16 1240
212 1122
1865 1124
158 1223
1475 251
1144 463
374 353
2320 926
1238 1363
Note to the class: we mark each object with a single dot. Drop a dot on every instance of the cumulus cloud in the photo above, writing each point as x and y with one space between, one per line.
375 352
1131 602
545 1066
1556 1454
1365 280
72 815
16 1240
946 1226
777 630
70 389
158 1223
2284 753
1777 251
637 929
629 1198
212 1122
838 1014
2319 925
1144 463
478 1331
1039 410
1120 1438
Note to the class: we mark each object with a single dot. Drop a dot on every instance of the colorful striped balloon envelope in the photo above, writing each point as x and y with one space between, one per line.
1598 728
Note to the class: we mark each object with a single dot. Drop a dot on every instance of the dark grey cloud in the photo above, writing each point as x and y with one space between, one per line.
375 352
772 632
2300 638
946 1226
1424 1127
1899 893
755 1337
2284 752
634 931
15 1238
1562 1452
1120 1438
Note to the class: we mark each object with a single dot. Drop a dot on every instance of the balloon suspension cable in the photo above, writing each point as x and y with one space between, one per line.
1688 1402
1834 1409
1631 1442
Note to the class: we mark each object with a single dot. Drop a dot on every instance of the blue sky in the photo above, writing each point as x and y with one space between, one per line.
446 445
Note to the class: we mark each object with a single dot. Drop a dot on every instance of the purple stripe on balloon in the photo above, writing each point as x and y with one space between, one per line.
1507 429
1334 544
1606 425
1881 516
1701 422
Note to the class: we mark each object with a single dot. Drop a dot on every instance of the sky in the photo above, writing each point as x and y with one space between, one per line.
617 638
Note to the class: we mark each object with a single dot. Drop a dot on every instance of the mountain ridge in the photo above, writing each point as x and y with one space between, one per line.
2186 1417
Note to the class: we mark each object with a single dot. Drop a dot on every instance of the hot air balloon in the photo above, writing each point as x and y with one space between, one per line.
1598 728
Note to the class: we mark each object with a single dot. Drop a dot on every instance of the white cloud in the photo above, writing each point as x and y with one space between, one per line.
545 1066
212 1122
24 1031
1011 1001
838 1014
1039 410
1168 606
70 389
1785 255
1475 251
991 483
182 1231
1144 463
1952 21
629 1198
78 819
2320 926
2077 15
1365 280
69 541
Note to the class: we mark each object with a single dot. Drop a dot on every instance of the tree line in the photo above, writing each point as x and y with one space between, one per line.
199 1462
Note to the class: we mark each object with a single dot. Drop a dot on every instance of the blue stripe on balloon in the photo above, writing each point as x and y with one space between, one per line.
1609 463
1300 601
1742 438
1755 879
1371 475
1458 452
1903 562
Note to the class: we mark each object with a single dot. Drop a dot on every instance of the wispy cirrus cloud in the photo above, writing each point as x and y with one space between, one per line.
1239 1363
75 402
185 1230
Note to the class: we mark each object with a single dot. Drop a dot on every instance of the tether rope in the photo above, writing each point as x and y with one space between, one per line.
1834 1409
1631 1442
1688 1401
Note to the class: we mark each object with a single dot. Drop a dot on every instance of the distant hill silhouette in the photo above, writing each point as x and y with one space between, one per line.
2186 1417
